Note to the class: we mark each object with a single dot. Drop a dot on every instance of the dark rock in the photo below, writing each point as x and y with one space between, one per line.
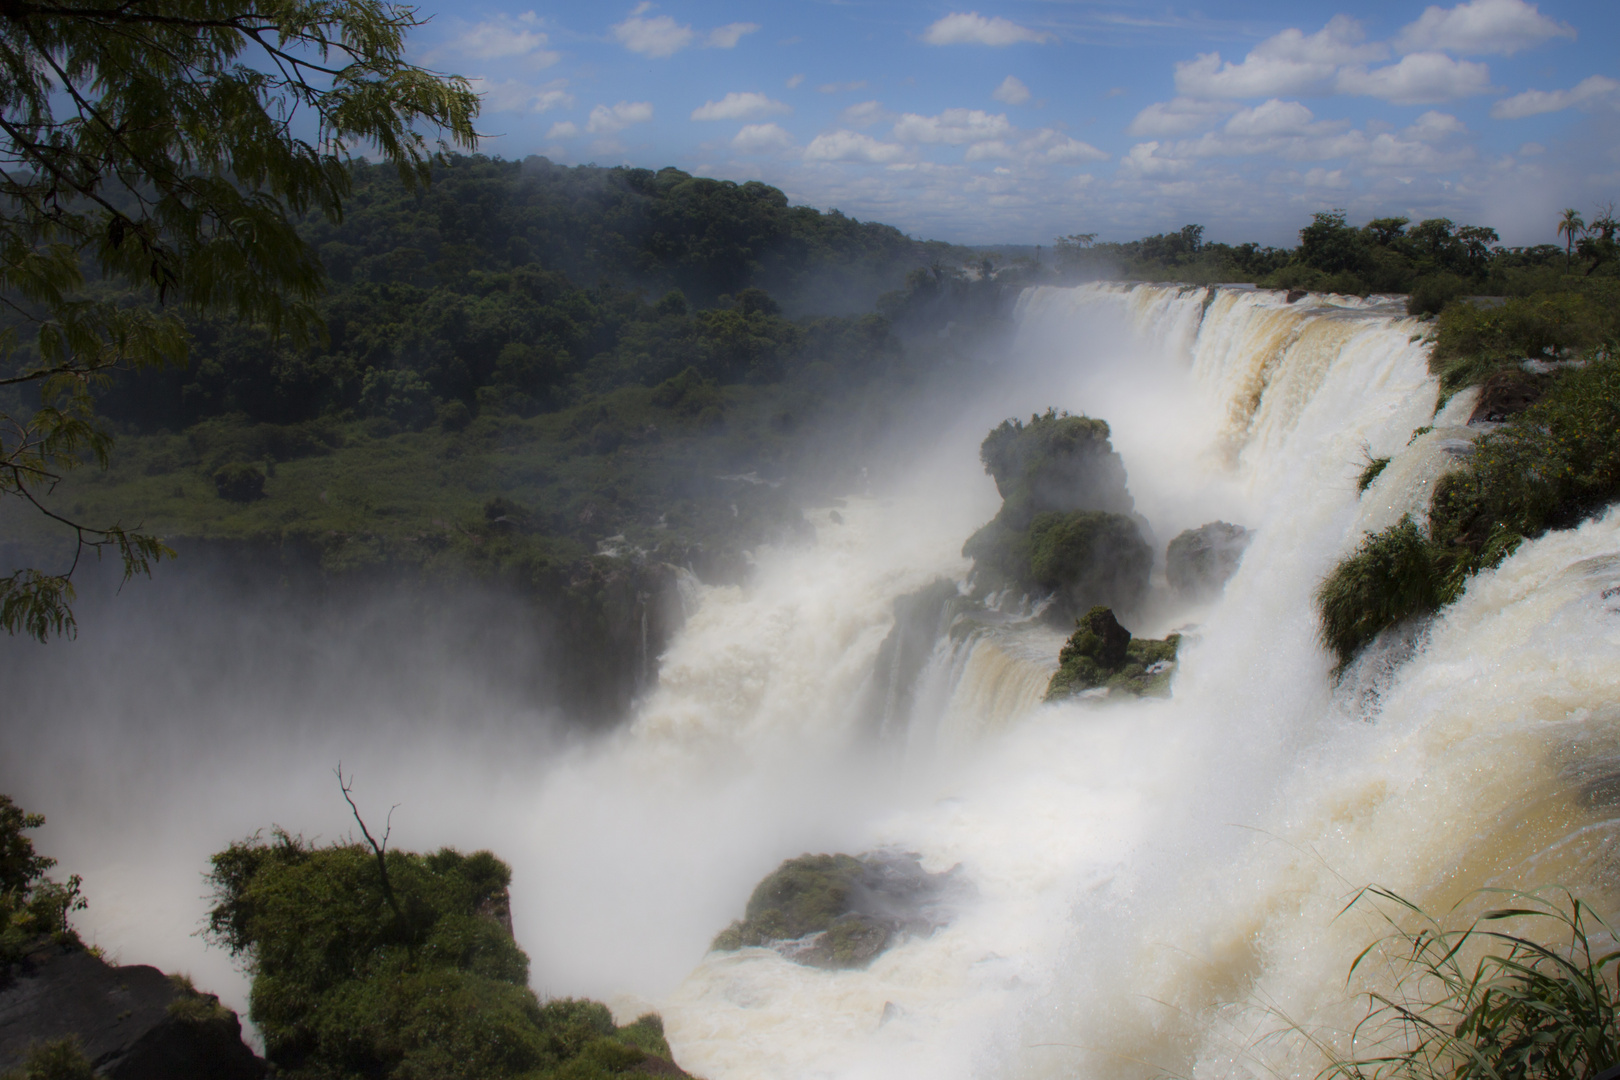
1199 561
839 911
132 1023
1296 295
1505 395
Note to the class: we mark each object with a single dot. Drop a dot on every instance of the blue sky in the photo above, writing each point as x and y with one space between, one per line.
1018 122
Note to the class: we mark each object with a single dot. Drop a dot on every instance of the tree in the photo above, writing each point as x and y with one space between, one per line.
1570 225
1599 246
163 150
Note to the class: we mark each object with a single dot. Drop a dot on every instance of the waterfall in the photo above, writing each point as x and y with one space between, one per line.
1156 881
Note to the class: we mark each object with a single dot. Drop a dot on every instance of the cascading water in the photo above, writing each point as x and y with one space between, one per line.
1156 882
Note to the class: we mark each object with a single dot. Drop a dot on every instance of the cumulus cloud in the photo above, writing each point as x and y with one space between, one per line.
794 81
727 36
761 138
852 146
1052 146
1435 126
1418 79
971 28
505 38
514 95
865 114
739 106
1012 91
658 36
1481 27
563 129
1594 88
1144 160
606 120
1180 116
1276 118
954 127
1287 63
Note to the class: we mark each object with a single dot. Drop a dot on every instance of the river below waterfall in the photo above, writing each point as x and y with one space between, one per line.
1156 885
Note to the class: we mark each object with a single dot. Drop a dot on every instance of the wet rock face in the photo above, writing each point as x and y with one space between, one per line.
1505 395
1199 561
840 911
131 1023
919 620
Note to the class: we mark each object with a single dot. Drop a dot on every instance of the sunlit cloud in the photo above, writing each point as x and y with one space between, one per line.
740 106
726 37
657 37
504 38
761 138
852 146
514 95
1593 89
1482 27
609 120
1012 91
971 28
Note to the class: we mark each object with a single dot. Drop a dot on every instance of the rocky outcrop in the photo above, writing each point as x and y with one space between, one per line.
1066 528
1102 656
1199 561
840 911
1505 395
130 1023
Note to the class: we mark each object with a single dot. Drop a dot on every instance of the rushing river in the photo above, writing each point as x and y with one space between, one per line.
1157 884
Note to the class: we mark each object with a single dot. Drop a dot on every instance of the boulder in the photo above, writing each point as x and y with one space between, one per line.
131 1023
1101 655
840 911
1199 561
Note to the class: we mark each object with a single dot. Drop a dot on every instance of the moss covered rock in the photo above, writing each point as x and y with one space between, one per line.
1101 654
840 911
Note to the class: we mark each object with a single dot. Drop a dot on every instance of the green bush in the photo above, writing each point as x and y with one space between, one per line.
1101 652
412 974
1393 575
1471 341
1371 472
32 906
239 481
1431 294
58 1060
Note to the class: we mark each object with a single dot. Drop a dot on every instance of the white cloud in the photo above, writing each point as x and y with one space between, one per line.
514 95
563 129
1481 27
1012 91
954 127
851 146
1144 159
608 121
506 38
1435 126
1180 116
865 114
1276 118
760 138
1052 146
1286 63
1418 79
1536 102
656 37
842 87
971 28
794 81
739 106
727 36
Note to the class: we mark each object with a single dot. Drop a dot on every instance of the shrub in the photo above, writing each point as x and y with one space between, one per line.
1393 575
1370 472
1480 1003
239 481
31 905
413 974
1431 294
58 1060
1472 341
397 395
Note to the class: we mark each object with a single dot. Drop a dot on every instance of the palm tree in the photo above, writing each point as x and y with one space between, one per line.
1570 226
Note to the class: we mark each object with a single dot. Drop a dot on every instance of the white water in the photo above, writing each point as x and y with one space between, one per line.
1157 881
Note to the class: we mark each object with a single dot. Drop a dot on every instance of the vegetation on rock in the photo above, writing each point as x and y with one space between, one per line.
32 906
839 911
373 963
1548 467
1102 654
1064 528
